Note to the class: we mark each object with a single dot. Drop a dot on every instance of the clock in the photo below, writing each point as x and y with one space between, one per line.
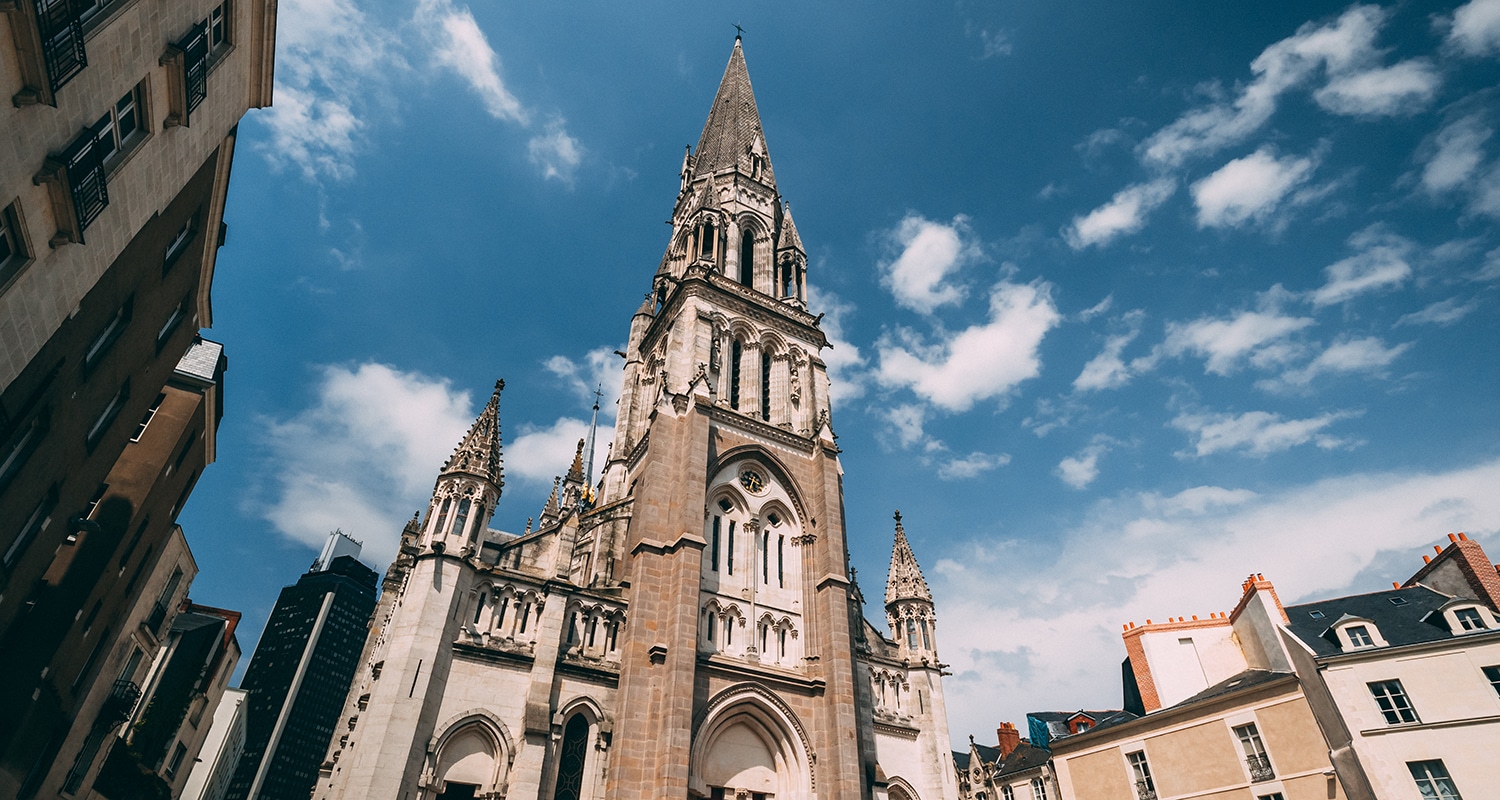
752 481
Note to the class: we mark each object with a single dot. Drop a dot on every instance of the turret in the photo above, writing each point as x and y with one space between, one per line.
908 603
468 486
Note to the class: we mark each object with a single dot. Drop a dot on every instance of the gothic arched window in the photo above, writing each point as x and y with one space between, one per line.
573 754
747 259
765 385
437 529
461 520
736 355
706 239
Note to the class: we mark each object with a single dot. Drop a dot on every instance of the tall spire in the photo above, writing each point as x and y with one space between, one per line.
588 449
732 137
905 581
479 452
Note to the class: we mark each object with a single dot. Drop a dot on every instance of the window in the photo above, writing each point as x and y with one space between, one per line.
911 634
747 259
780 560
1255 753
93 504
781 642
1145 788
13 251
1394 705
109 334
218 28
1359 636
1433 780
710 626
479 607
926 638
729 555
140 430
1469 619
177 246
1271 796
1038 789
574 754
21 448
107 416
178 754
1315 614
1007 793
1398 601
1492 674
120 128
714 544
170 326
736 354
36 522
765 385
765 558
442 519
461 519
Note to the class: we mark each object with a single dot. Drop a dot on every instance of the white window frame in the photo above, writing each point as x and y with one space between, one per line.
1400 702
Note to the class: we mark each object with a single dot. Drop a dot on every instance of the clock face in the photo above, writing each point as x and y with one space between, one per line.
752 481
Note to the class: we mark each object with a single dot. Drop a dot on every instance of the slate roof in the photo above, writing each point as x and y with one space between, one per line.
1023 758
201 360
733 124
1248 679
1401 622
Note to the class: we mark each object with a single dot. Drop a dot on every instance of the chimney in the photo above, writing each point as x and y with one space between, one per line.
1009 737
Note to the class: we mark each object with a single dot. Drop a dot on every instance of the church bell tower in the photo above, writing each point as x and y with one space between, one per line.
738 676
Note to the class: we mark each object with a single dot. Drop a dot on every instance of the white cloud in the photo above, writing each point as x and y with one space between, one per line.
539 454
1137 556
462 47
906 423
971 466
1080 470
1197 500
1381 263
329 69
1248 188
1368 354
1455 154
557 153
1107 370
1224 343
846 366
930 252
1403 88
1096 309
1342 48
601 370
1475 28
996 43
1257 432
980 362
1124 214
1443 312
363 457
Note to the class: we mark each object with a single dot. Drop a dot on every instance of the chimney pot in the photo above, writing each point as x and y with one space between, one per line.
1437 548
1426 559
1452 537
1462 537
1395 584
1148 621
1195 617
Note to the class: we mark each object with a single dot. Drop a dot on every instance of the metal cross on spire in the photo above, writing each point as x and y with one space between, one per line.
738 31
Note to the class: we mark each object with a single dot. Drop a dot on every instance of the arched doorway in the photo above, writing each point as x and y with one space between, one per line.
750 746
466 764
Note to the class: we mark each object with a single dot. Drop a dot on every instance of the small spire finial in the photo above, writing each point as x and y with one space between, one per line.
898 516
739 32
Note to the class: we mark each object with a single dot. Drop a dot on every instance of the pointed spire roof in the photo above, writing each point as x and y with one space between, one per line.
733 130
479 452
788 239
575 472
905 581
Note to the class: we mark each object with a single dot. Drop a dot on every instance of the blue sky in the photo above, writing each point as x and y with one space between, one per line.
1129 300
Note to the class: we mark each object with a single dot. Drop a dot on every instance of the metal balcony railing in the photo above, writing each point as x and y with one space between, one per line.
194 47
1260 768
1145 791
87 181
60 23
121 701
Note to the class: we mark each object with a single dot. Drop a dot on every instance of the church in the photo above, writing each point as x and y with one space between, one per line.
684 623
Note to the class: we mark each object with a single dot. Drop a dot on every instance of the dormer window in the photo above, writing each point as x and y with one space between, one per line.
1355 633
1469 619
1359 636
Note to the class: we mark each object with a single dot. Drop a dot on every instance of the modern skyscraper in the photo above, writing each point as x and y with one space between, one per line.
300 674
688 627
114 174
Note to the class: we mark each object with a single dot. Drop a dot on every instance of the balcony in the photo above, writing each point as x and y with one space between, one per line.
121 701
1260 769
157 617
60 23
1144 790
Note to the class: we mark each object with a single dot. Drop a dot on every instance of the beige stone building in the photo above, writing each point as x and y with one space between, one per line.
115 152
688 626
1406 681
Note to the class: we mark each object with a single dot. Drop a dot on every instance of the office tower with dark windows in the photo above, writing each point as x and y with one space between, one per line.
301 672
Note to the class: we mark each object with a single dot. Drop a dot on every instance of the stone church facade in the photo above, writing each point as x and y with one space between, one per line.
688 626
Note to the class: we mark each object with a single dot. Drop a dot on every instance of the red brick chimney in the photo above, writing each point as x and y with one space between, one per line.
1009 737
